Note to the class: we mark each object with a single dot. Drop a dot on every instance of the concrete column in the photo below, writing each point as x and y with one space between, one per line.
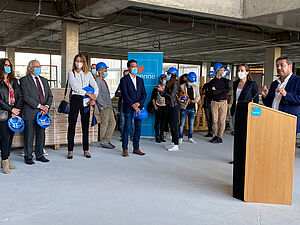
10 54
270 72
69 48
205 68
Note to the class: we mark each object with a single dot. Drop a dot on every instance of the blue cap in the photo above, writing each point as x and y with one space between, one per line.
173 70
192 77
218 66
16 124
43 121
211 73
227 71
101 65
143 115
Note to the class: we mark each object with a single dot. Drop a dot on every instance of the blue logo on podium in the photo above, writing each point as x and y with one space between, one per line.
256 111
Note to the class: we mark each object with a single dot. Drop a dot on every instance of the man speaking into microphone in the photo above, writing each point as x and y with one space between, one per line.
284 93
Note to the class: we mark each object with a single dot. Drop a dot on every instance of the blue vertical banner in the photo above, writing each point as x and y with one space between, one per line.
150 67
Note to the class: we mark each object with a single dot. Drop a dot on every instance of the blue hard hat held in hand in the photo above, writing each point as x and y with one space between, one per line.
43 121
227 71
192 77
173 70
101 65
16 124
89 90
143 115
218 66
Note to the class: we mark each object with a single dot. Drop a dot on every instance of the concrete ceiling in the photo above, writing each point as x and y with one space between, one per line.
115 29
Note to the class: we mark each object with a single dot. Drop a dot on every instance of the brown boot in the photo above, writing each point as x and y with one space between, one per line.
138 152
6 166
125 153
11 166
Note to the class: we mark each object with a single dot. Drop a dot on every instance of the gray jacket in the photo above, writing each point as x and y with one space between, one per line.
31 96
103 97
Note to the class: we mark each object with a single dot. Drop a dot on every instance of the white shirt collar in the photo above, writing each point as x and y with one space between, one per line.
286 79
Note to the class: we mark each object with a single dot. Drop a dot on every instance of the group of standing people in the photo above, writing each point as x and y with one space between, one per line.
168 107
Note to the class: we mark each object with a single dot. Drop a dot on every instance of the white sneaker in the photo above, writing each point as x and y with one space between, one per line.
173 149
169 146
192 141
22 153
180 140
45 153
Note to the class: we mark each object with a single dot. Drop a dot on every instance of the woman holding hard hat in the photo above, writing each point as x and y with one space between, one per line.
81 81
10 106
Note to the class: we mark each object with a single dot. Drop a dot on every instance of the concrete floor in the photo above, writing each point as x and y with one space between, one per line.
192 186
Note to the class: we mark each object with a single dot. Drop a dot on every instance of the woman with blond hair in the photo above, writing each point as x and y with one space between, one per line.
78 78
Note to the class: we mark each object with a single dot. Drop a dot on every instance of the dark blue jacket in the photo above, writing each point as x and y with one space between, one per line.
249 92
291 102
130 95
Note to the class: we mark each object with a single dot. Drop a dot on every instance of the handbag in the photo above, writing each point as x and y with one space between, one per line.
64 106
3 115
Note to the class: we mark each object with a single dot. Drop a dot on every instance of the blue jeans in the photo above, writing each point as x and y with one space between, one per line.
183 114
137 131
122 123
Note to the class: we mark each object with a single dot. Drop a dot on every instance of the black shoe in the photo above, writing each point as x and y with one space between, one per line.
29 161
43 159
111 145
218 141
213 139
232 133
87 155
209 135
157 139
231 162
162 139
69 157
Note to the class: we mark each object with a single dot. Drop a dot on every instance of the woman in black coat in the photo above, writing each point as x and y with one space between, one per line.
10 103
245 89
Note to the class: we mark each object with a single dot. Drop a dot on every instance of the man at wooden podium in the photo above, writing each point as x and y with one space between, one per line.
284 93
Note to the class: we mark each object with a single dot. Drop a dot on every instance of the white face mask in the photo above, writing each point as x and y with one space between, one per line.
223 74
241 75
79 65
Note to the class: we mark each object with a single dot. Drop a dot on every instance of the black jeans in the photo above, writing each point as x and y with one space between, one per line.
173 113
160 117
208 116
76 105
30 127
6 136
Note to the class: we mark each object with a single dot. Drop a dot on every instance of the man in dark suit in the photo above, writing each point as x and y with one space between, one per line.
134 95
37 98
284 93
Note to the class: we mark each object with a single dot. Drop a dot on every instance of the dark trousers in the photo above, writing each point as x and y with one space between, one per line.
208 116
160 118
76 106
137 132
173 113
32 127
6 140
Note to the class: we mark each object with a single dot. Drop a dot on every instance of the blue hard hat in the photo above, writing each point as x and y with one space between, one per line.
101 65
227 71
211 73
173 70
43 121
162 76
143 115
192 77
89 90
16 124
218 66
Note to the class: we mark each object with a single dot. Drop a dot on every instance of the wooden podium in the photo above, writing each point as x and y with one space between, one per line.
264 152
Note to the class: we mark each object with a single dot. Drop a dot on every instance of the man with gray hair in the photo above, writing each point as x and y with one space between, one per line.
37 97
284 93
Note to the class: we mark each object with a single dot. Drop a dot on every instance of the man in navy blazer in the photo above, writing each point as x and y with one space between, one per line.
134 95
284 93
